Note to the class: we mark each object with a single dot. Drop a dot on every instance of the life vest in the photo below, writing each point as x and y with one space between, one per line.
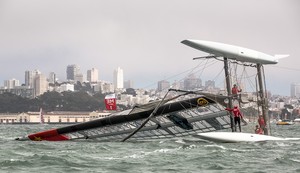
259 131
236 112
234 90
261 122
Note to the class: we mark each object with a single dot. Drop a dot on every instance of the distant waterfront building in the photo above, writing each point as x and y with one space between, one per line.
118 78
11 83
72 71
92 75
163 85
55 117
295 90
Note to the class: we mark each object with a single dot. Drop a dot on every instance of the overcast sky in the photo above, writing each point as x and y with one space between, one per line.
143 37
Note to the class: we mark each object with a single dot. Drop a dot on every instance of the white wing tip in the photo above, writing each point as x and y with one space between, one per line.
280 56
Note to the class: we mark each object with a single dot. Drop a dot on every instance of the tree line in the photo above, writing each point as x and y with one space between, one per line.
52 101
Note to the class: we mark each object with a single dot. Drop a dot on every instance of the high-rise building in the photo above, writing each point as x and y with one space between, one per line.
295 90
72 71
30 76
118 78
191 83
163 85
12 83
92 75
128 84
79 78
52 77
41 84
209 84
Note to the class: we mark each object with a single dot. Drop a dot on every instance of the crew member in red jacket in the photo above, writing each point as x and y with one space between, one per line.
235 90
237 116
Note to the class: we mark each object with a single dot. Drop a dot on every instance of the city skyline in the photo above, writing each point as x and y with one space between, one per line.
117 77
144 37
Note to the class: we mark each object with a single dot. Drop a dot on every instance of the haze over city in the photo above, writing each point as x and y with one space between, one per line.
143 37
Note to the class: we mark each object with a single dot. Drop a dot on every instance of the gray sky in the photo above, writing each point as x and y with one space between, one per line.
143 37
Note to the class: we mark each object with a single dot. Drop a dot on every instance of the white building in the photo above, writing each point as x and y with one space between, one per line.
30 77
92 75
118 78
55 117
52 77
66 87
41 84
295 90
128 84
12 83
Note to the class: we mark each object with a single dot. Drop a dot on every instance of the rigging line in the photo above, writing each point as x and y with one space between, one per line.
188 70
203 68
207 64
243 72
235 74
248 78
221 71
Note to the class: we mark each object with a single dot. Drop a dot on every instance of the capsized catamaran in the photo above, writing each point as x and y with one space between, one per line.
174 117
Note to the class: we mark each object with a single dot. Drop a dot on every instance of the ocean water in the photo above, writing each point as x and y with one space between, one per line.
185 155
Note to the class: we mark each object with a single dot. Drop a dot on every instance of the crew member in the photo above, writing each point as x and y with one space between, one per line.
259 130
235 90
237 116
261 122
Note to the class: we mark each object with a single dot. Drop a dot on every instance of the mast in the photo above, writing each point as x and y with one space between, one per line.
263 98
228 87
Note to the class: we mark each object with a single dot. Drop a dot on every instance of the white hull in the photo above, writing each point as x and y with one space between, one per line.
233 137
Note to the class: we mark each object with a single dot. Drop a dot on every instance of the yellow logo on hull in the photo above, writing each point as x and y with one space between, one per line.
202 102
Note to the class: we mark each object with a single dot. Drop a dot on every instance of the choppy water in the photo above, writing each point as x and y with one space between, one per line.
172 155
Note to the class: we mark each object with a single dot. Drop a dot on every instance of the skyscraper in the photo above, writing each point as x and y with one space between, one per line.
128 84
41 84
30 76
295 90
163 85
192 82
72 71
92 75
118 78
52 77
